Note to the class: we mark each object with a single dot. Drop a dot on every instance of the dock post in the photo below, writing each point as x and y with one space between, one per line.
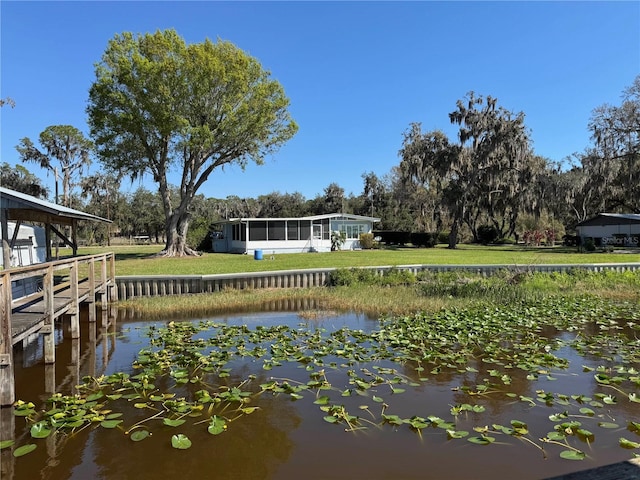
7 378
92 291
113 292
74 309
103 289
48 329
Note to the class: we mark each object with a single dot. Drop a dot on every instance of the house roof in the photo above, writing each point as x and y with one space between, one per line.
345 216
611 219
20 206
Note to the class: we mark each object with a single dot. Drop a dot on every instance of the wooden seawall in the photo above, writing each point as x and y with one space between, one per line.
160 285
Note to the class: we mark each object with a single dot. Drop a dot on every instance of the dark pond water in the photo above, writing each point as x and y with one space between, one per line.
287 439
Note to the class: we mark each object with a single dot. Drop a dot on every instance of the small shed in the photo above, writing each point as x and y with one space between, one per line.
611 229
289 235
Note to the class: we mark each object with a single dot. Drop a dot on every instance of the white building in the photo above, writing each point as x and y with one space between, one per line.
289 235
28 245
611 229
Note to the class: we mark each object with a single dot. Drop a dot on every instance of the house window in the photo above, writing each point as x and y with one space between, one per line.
305 229
353 231
325 229
276 230
292 230
257 231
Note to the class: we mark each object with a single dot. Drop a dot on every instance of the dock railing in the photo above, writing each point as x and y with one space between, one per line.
66 283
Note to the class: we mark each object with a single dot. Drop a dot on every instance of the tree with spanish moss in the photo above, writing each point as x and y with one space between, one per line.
65 151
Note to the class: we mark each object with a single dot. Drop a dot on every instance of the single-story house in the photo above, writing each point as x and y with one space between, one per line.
614 229
289 235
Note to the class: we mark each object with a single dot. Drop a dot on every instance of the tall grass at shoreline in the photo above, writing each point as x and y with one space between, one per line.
427 293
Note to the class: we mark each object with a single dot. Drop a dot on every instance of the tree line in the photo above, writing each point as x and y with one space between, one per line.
159 104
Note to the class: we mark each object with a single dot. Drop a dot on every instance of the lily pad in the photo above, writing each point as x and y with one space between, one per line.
217 425
24 449
40 430
180 441
173 422
573 455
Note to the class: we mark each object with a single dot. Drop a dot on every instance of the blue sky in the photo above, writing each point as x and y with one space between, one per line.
357 73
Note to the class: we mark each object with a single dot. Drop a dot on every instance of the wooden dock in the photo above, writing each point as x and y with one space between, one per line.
65 285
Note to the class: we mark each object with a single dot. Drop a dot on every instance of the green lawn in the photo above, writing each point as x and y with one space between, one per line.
139 259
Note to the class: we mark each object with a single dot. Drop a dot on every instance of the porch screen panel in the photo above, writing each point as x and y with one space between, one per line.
257 231
293 232
305 229
276 230
325 229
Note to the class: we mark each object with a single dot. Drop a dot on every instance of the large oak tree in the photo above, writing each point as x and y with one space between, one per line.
159 105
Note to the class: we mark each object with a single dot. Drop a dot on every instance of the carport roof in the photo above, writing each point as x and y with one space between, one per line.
20 206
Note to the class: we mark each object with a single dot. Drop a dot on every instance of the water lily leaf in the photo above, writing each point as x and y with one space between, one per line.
634 427
173 422
217 425
24 449
249 410
323 400
609 400
296 396
633 397
40 430
557 417
378 399
115 396
624 443
180 441
330 419
111 416
584 433
573 455
417 422
139 435
6 444
110 423
482 440
392 419
587 411
608 425
457 433
24 412
95 396
555 436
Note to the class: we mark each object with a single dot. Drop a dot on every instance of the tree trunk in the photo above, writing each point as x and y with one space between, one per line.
453 235
176 244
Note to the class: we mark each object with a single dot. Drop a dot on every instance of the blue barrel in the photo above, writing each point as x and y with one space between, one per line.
257 255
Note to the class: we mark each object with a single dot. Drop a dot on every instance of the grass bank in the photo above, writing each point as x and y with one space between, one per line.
140 260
